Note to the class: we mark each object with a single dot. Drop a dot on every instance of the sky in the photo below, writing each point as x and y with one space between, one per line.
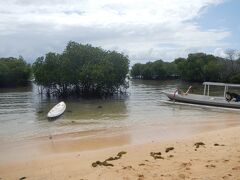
145 30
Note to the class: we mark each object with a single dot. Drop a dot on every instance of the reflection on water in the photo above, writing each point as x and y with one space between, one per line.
23 112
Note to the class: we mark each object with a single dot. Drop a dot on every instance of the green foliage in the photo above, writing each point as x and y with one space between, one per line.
154 70
82 68
196 67
199 67
14 71
235 78
136 70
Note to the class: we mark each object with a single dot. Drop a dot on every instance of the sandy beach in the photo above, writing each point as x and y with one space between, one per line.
208 155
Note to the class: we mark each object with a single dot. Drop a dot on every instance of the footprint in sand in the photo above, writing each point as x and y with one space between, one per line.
166 175
210 166
182 176
236 168
140 176
128 168
227 176
186 165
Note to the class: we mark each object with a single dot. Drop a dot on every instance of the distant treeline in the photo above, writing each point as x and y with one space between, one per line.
82 70
14 72
196 67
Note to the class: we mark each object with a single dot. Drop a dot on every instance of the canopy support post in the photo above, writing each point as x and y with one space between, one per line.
204 92
225 90
208 90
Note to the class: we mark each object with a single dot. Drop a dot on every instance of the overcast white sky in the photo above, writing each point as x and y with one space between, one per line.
143 29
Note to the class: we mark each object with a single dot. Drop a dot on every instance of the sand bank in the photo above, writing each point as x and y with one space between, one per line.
212 155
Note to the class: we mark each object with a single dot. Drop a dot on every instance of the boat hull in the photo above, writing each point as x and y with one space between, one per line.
57 110
202 100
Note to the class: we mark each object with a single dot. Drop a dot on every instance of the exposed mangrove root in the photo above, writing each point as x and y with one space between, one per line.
80 90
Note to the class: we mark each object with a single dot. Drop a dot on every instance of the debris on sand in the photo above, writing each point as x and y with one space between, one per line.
156 155
105 163
99 107
198 144
121 153
94 164
99 163
127 167
113 158
210 166
216 144
22 178
169 149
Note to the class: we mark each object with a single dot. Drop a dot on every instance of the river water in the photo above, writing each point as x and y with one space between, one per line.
23 112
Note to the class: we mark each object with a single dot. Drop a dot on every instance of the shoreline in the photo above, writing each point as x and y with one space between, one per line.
218 158
79 141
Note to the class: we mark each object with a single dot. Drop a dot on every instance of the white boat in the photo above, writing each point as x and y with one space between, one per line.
206 99
57 110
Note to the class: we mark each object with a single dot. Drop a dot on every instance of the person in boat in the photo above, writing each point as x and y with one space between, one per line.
179 91
231 96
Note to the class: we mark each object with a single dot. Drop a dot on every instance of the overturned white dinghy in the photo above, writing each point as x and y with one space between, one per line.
57 110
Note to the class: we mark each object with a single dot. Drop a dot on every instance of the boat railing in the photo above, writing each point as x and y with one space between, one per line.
225 85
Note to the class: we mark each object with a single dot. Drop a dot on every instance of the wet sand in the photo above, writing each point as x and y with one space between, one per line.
208 155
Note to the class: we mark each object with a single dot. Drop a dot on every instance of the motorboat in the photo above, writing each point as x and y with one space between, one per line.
205 99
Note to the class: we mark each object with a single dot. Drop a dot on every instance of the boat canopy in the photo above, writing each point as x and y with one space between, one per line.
221 84
225 85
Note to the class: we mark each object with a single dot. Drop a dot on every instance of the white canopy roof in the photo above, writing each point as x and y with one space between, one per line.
221 84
